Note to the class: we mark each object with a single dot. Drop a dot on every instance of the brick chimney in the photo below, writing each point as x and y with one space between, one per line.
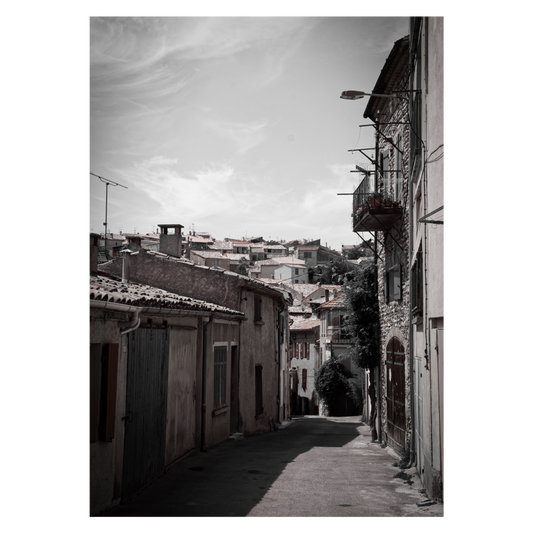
170 243
95 242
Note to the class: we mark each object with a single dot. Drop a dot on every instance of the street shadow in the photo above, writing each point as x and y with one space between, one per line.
231 478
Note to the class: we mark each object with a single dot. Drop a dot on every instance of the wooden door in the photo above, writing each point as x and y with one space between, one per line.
146 408
396 392
442 344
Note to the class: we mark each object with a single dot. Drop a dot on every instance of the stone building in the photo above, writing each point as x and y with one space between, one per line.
390 222
400 202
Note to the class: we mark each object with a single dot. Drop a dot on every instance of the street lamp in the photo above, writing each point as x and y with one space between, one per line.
356 95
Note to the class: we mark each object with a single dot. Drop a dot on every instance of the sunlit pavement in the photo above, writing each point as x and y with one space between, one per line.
312 467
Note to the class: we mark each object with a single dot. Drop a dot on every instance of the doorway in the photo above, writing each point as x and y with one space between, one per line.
146 408
395 368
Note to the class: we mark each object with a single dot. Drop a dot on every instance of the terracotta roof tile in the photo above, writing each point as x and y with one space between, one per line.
136 294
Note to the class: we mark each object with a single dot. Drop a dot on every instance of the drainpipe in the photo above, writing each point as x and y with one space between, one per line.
125 327
204 392
133 324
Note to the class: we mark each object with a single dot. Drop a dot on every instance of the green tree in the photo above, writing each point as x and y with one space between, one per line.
364 326
337 272
332 383
242 267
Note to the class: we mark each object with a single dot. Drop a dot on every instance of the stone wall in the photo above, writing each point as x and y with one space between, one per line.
394 314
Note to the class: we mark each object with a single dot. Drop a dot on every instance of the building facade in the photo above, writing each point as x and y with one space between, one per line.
400 202
427 248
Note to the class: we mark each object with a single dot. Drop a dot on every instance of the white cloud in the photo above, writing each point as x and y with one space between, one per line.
210 190
243 135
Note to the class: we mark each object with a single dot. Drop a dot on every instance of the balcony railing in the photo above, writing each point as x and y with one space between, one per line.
338 335
362 193
371 212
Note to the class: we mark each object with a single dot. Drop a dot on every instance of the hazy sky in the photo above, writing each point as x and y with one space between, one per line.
234 125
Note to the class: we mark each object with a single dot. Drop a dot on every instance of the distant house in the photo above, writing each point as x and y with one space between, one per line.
321 294
209 258
316 254
295 272
291 269
257 252
240 247
275 250
264 269
305 360
196 242
224 247
334 336
235 259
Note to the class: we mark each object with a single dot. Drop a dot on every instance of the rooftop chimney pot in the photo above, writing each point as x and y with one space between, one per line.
170 244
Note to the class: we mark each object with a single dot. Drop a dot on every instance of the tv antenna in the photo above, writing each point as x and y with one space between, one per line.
107 184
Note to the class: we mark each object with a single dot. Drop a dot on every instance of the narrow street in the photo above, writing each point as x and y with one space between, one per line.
312 467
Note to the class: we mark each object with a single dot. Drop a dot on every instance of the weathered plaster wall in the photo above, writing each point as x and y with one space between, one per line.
258 347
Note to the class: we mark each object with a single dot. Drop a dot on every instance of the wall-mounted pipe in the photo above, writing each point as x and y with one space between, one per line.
204 380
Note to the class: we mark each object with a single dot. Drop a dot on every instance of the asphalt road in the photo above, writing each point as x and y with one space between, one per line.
313 467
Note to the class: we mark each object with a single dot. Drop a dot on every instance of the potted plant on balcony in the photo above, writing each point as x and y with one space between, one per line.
374 200
387 200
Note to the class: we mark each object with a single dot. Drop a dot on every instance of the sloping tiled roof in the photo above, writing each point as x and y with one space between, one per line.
393 72
212 254
304 323
338 302
109 290
290 260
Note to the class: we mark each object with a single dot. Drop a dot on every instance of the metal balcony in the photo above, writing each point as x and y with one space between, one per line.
336 335
372 213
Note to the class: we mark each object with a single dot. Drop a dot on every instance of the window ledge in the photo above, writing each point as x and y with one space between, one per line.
220 410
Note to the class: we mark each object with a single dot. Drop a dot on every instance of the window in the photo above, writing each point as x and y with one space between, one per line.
417 285
300 350
385 172
221 355
258 389
308 255
398 174
304 379
392 282
257 308
297 271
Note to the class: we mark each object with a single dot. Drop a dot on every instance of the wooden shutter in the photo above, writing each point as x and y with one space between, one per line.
257 308
385 171
220 360
258 389
109 392
397 282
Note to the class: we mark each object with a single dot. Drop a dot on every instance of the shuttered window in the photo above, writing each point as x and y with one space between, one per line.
220 372
108 398
257 308
258 389
392 279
